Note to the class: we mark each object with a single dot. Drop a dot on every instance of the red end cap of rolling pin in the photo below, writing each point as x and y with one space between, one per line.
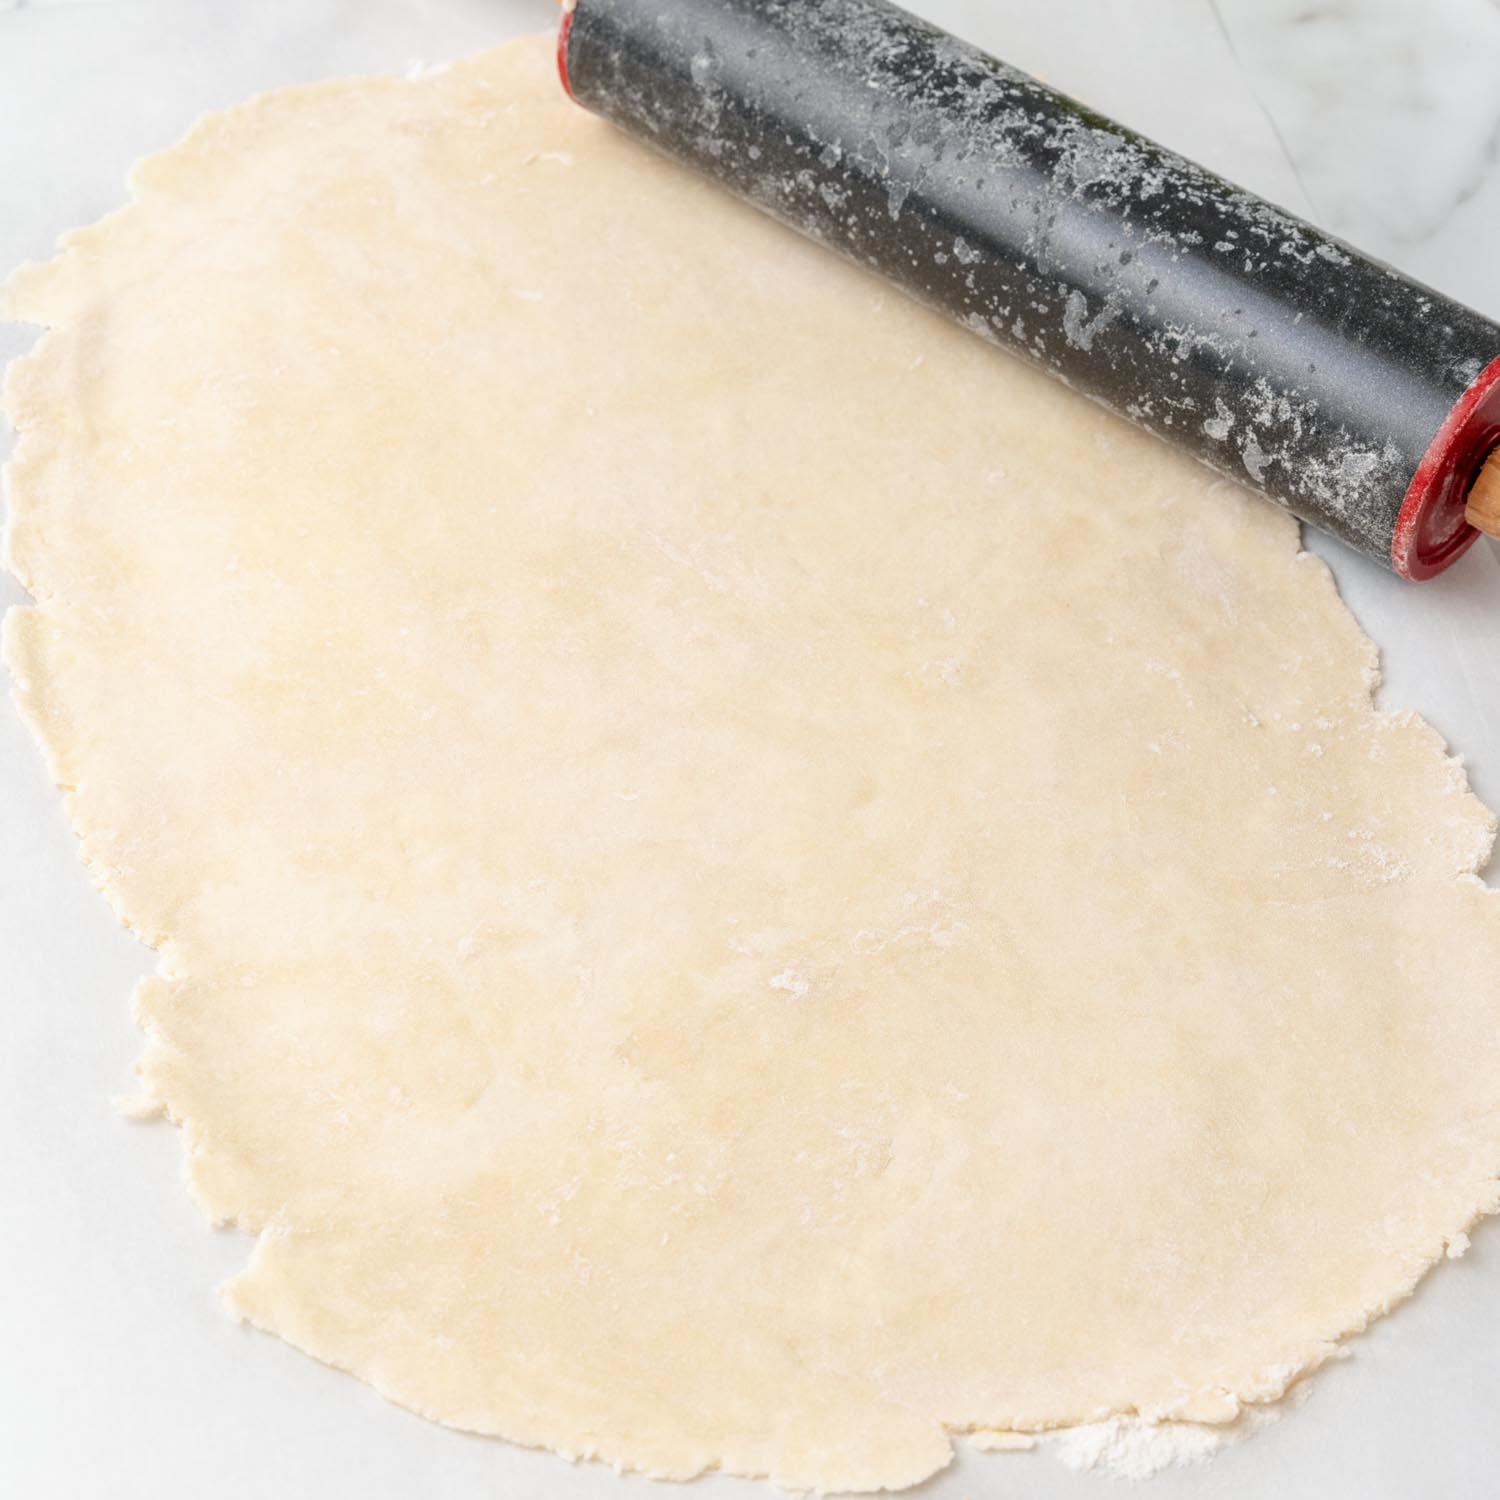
1431 531
563 33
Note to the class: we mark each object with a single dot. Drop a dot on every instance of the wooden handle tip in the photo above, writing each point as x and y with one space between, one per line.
1484 499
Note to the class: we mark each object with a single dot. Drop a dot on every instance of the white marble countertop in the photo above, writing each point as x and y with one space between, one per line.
119 1375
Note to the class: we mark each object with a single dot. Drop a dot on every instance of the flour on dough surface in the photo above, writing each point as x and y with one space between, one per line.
740 881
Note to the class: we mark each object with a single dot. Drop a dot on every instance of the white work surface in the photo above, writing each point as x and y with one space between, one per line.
119 1375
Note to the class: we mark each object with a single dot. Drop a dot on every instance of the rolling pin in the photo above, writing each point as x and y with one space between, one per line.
1364 402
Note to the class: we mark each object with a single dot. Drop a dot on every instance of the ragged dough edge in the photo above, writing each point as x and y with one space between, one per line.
240 1302
24 294
38 293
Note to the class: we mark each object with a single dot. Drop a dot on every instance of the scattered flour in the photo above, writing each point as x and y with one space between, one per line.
1135 1447
792 982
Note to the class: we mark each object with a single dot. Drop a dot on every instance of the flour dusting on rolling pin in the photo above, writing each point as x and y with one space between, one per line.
1364 402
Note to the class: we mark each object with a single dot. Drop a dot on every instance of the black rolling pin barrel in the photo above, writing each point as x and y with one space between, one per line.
1360 400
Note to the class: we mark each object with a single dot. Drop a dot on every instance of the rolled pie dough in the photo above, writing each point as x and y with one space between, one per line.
741 881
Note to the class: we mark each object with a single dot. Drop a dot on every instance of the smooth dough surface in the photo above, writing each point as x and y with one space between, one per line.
741 880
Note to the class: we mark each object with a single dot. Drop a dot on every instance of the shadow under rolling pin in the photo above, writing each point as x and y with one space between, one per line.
1364 402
